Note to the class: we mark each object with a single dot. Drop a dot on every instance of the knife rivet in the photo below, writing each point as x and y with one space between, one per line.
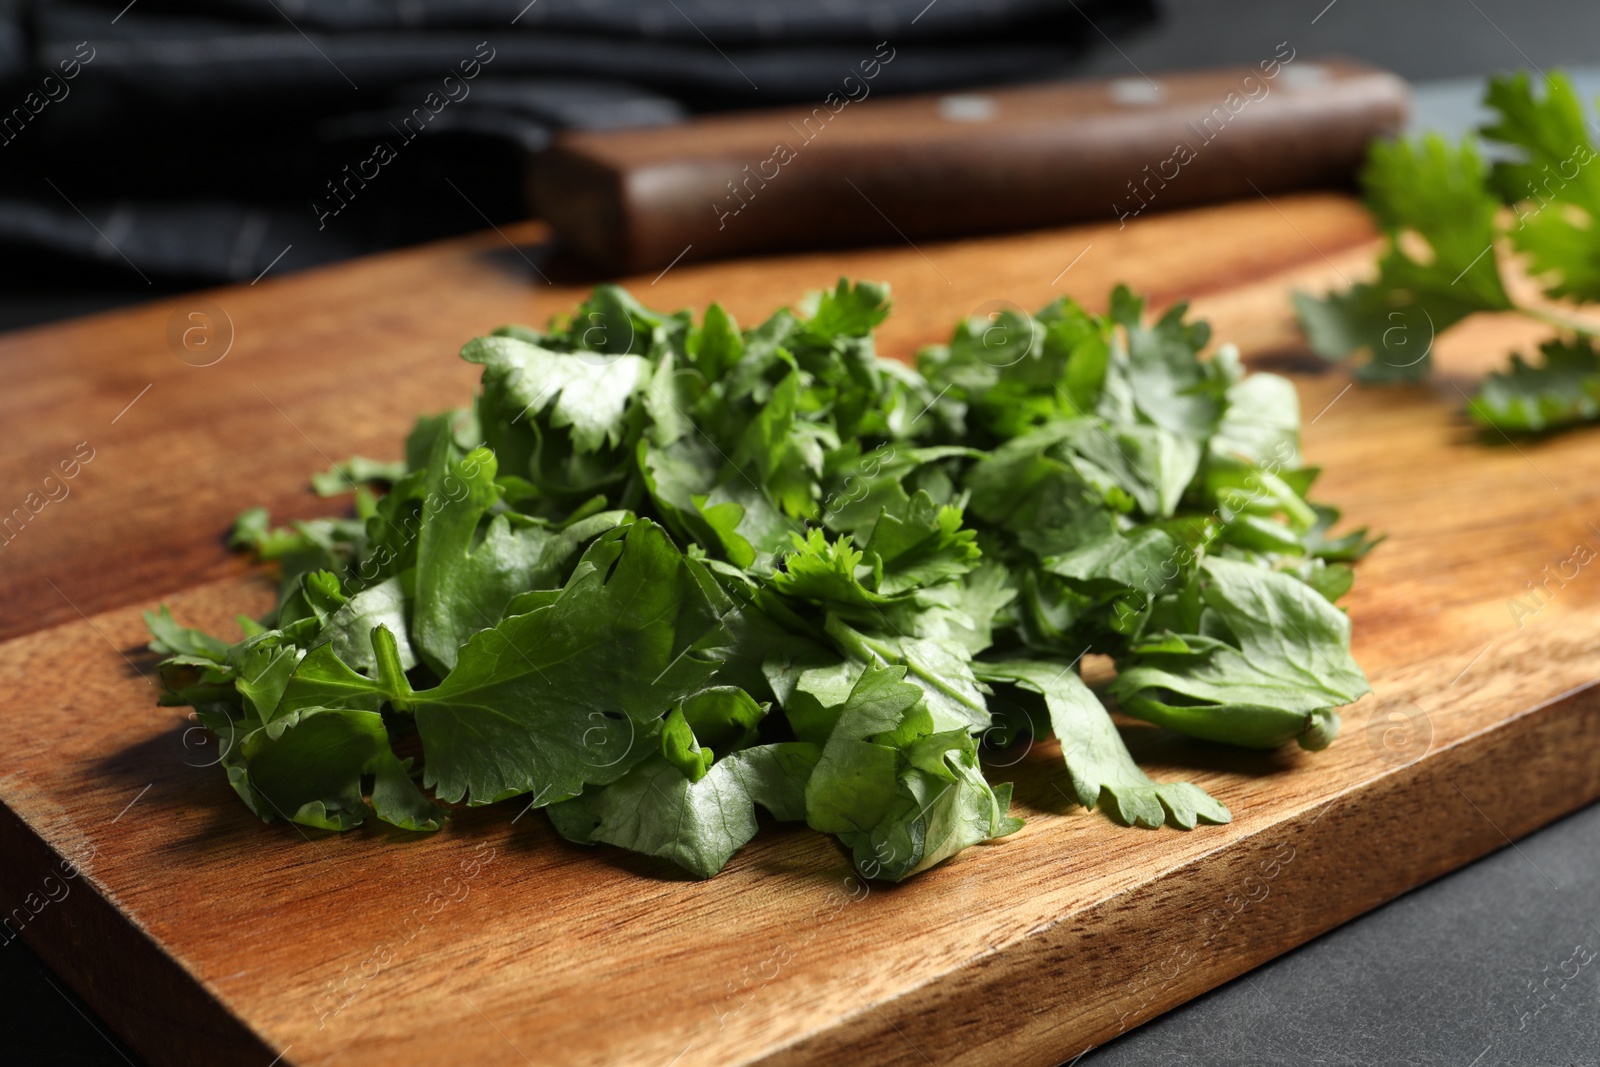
966 107
1135 91
1305 76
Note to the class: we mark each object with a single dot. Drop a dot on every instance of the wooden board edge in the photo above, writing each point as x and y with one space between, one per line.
1199 923
147 997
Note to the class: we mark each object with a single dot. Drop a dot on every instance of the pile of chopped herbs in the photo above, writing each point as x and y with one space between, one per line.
663 573
1445 214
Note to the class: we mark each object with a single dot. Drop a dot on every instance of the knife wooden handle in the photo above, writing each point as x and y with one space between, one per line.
874 169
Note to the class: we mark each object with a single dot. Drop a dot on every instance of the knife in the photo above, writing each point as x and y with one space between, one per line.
861 169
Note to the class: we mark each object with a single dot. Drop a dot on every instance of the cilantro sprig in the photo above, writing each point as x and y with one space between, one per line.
1449 218
665 574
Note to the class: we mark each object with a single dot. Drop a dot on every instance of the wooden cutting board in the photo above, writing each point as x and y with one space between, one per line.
204 937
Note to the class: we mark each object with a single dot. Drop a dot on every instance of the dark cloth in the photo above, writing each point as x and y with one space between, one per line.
197 141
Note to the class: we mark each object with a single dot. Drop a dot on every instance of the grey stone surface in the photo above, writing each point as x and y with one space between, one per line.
1496 965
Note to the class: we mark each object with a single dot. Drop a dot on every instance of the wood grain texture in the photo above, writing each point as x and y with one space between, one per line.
205 937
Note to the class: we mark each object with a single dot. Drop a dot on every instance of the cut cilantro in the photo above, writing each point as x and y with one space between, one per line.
664 575
699 823
1098 763
354 472
1261 659
307 766
572 692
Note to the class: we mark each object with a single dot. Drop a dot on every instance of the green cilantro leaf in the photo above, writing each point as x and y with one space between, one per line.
355 472
307 767
699 825
1563 390
1551 171
1438 195
1098 763
587 395
1169 387
1267 663
571 693
468 571
901 797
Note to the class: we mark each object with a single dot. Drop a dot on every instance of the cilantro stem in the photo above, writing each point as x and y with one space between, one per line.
391 676
873 651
